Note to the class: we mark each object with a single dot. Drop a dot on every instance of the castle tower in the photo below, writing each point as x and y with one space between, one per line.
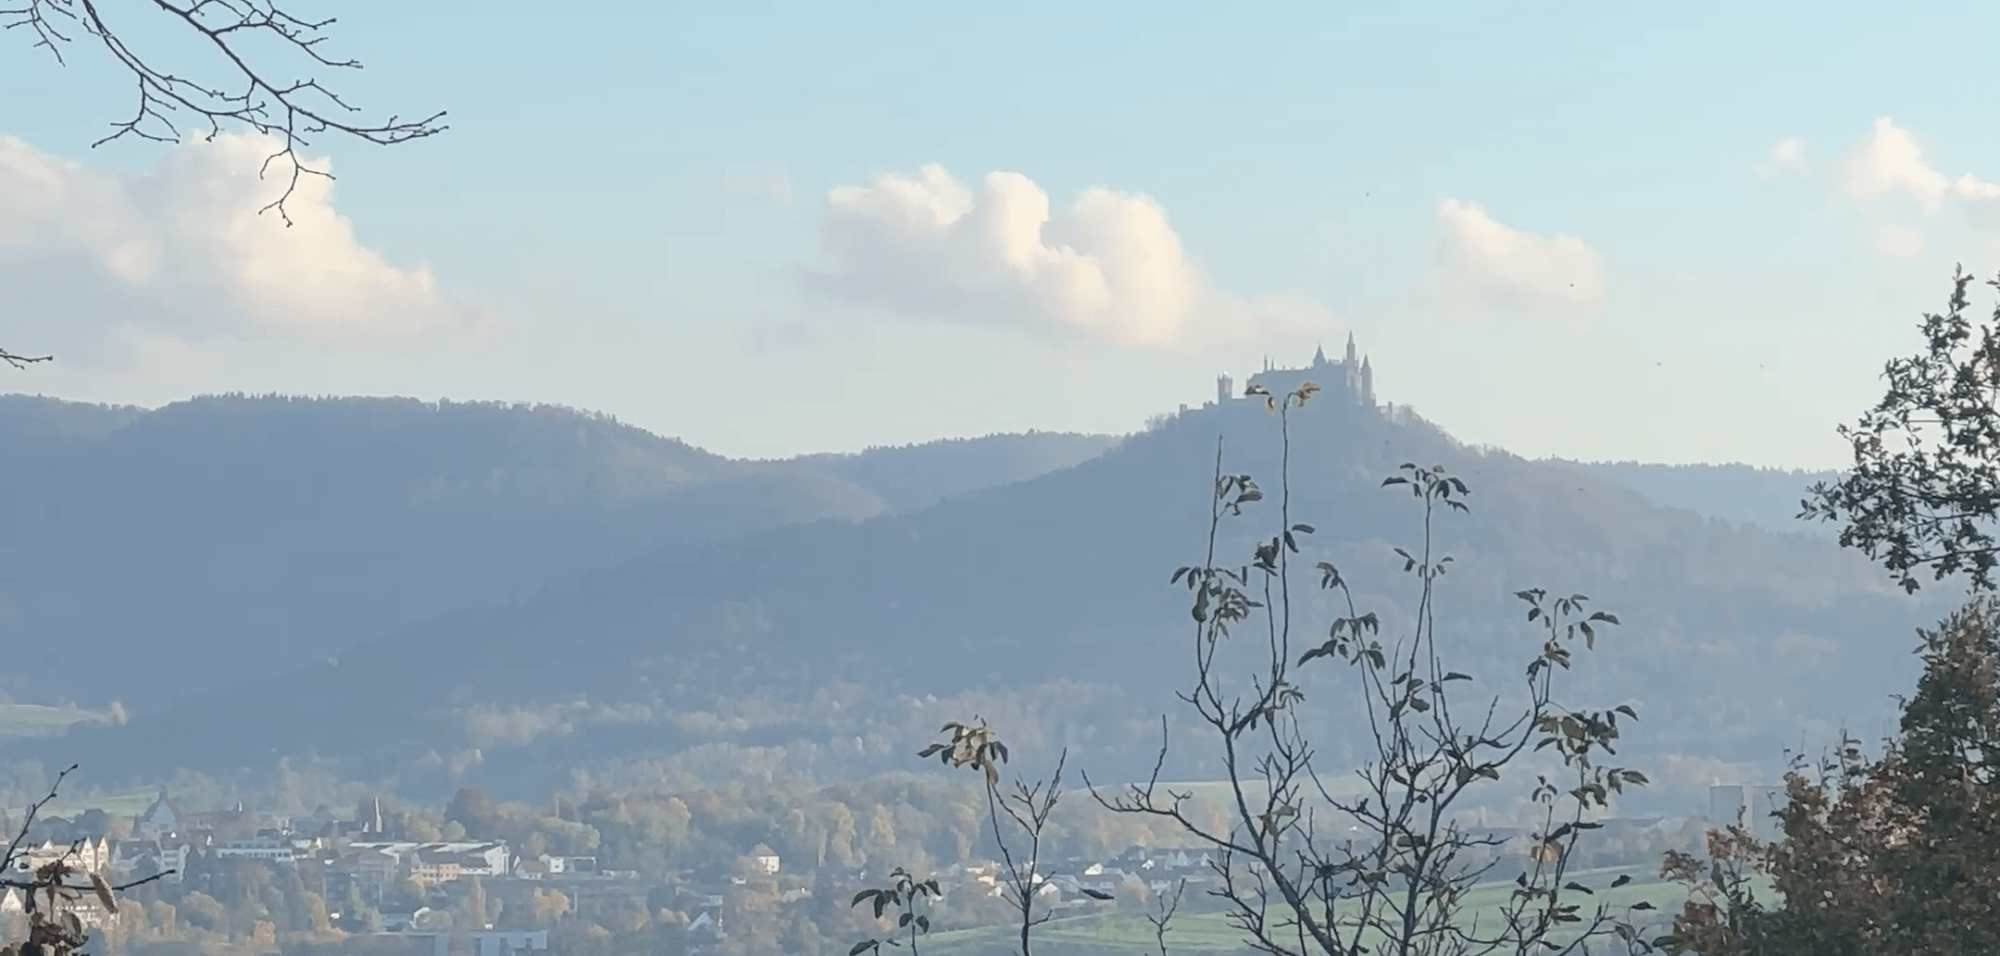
1350 348
1367 384
1319 357
1224 389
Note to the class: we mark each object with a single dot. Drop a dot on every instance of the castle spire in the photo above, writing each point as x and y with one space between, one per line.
1319 356
1350 348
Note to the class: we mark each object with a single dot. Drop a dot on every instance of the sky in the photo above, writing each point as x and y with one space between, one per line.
1688 232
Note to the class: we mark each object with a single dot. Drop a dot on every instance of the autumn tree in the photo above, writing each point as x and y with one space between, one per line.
472 808
1899 854
1892 856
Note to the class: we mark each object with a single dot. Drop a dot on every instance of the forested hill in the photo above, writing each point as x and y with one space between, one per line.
152 556
835 646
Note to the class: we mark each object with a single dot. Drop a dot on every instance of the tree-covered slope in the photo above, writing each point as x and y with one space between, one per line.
1048 599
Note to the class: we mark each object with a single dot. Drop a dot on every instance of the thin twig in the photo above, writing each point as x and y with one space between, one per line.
291 110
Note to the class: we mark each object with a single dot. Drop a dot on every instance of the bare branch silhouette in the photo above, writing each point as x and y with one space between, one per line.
22 361
1396 873
251 94
58 885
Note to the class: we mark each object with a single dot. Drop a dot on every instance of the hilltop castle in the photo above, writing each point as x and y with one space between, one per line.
1353 376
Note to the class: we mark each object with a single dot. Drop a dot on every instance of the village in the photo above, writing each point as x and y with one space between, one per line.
487 898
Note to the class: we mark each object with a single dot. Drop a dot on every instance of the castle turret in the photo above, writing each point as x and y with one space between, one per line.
1352 380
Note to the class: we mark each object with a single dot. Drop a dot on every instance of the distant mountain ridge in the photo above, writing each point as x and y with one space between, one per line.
150 556
1045 601
1768 497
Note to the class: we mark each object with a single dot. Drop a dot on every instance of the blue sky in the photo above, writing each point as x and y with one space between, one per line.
1561 229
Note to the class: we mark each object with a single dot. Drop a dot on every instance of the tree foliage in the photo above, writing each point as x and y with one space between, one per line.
1925 485
1893 856
1897 855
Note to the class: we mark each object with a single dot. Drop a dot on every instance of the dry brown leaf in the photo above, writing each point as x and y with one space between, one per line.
103 890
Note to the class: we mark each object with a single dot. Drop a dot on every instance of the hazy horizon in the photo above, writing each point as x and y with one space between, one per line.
1600 258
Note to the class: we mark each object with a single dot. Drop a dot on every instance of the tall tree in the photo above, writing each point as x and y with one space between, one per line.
1899 855
472 808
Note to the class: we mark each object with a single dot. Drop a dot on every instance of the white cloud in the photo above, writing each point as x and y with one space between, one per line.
1517 269
1108 267
93 261
1886 165
1787 156
1888 161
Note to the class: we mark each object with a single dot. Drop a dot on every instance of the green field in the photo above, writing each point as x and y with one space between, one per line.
41 720
1200 929
127 804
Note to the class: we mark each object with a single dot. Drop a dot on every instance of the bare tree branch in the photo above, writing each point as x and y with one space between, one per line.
1401 885
49 899
23 361
252 94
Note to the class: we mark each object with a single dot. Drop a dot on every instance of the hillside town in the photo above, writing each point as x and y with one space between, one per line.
486 897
